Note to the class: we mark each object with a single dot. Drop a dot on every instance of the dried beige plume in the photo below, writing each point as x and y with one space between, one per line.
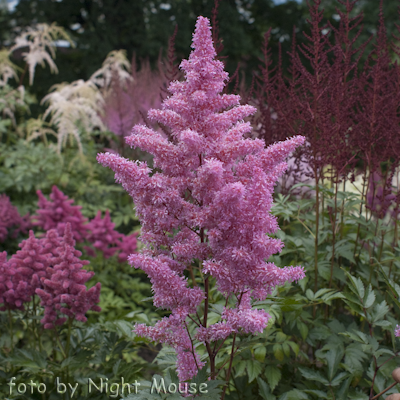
8 70
116 65
74 109
42 47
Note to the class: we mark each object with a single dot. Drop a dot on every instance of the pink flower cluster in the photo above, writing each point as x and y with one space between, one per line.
397 331
102 235
211 202
50 268
64 289
11 219
59 211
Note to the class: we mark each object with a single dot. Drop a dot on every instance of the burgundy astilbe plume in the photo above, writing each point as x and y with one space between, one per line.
10 219
64 292
320 100
208 206
378 199
57 212
102 235
377 115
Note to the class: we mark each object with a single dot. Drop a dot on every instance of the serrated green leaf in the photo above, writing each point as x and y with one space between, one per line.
259 353
278 352
313 375
369 298
273 375
254 369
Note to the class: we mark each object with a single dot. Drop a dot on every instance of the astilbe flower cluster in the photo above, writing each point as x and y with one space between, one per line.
49 267
102 235
209 207
10 219
7 273
64 289
126 246
57 212
30 265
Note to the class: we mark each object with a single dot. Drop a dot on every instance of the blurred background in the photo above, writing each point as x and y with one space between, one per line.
143 27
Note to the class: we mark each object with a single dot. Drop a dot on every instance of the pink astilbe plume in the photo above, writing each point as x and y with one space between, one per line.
11 219
57 212
64 292
102 235
127 245
30 265
7 297
209 207
125 104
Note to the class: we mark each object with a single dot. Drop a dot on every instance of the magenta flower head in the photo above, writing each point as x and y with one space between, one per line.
57 212
103 236
7 296
10 219
30 265
64 292
126 246
207 211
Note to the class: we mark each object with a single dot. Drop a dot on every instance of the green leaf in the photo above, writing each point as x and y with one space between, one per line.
369 297
278 352
303 329
263 390
356 285
380 310
259 353
313 375
273 375
333 358
254 369
336 381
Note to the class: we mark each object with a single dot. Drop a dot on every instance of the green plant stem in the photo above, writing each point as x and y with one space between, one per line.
333 224
70 320
395 239
60 344
384 391
11 330
228 374
359 225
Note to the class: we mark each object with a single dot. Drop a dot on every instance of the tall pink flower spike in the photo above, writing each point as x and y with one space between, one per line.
211 202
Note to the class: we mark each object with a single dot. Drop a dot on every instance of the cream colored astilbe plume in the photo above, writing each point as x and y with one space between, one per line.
8 70
42 47
38 127
10 100
73 108
116 65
